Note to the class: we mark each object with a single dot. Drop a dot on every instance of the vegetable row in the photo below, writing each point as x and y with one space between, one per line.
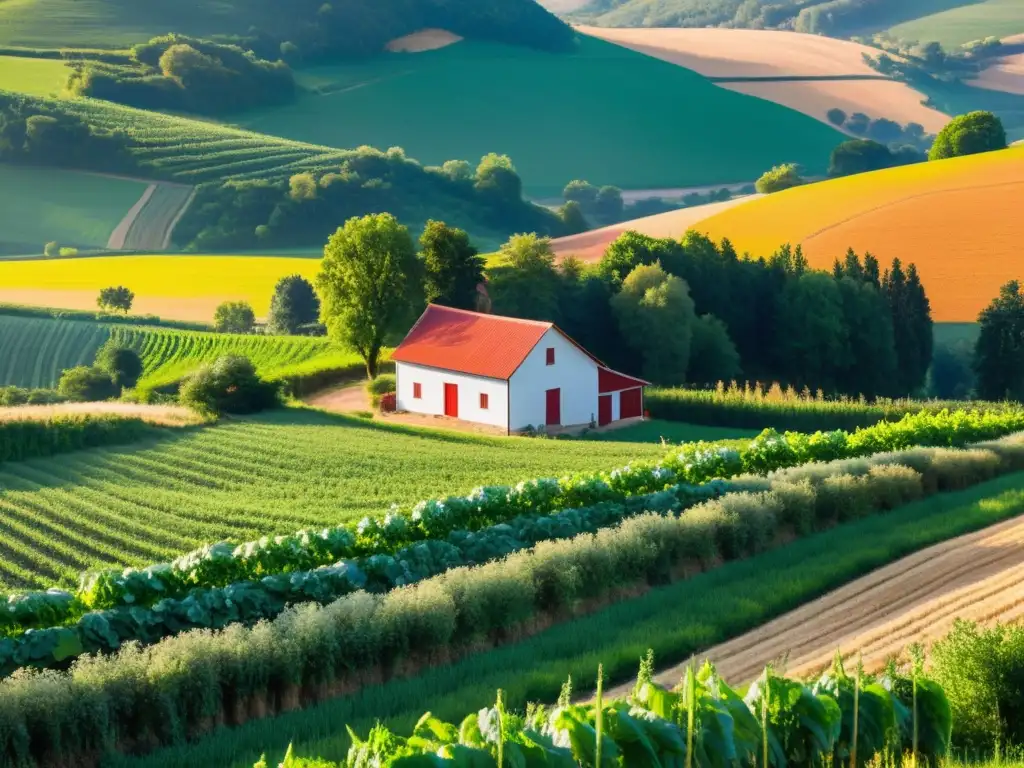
225 563
704 723
156 694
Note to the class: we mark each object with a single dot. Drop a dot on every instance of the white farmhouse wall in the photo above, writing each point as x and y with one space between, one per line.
431 402
574 372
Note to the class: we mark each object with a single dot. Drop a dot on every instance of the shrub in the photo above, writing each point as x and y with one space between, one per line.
67 253
51 250
836 116
122 364
229 385
85 384
779 178
234 317
119 298
968 135
383 384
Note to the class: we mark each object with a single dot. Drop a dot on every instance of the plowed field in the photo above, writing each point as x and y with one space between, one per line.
979 577
957 220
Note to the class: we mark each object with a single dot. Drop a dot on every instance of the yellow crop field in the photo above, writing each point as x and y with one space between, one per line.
958 220
173 287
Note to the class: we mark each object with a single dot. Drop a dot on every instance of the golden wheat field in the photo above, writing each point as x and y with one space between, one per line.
958 220
173 287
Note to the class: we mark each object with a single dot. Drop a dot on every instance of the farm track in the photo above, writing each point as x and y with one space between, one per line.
149 224
979 577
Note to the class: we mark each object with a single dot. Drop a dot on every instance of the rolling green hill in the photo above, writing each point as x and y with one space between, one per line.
39 205
603 113
312 28
34 351
951 22
966 22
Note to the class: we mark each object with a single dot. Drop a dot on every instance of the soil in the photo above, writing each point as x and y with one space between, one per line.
344 399
979 577
590 246
777 53
424 40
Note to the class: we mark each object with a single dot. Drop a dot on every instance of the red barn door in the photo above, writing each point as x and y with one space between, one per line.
451 400
604 410
554 407
630 405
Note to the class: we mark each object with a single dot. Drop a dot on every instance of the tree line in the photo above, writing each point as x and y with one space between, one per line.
690 311
180 73
305 209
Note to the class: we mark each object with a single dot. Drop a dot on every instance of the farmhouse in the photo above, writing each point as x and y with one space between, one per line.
507 373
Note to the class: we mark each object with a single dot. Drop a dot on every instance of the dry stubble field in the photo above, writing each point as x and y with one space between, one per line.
771 54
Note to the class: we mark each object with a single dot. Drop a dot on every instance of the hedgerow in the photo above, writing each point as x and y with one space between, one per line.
22 439
180 686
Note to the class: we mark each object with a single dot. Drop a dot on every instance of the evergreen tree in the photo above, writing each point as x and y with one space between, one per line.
293 305
872 273
999 351
452 266
922 326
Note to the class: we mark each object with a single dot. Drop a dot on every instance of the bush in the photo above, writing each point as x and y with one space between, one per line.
24 439
67 253
382 385
779 178
836 116
122 364
51 250
228 385
234 317
10 396
85 384
968 135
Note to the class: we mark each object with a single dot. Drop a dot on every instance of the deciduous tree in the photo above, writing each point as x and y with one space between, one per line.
293 305
453 268
999 351
968 135
369 284
119 298
234 317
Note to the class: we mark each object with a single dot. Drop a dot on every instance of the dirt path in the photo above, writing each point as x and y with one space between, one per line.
120 233
344 399
979 576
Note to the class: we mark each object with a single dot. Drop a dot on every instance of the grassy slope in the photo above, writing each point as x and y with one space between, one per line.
40 77
952 218
34 352
79 209
676 621
175 287
113 23
974 21
249 477
604 113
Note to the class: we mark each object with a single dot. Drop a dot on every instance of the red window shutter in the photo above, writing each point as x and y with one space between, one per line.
483 401
417 391
551 355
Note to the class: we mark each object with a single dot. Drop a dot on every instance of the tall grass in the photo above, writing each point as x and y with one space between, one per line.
755 406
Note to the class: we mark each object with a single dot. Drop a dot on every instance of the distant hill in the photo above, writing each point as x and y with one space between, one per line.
957 220
837 18
300 30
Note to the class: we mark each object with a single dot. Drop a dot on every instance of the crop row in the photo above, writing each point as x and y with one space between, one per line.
181 685
33 353
757 407
837 719
691 464
682 470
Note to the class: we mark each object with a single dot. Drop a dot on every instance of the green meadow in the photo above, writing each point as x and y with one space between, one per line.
971 21
39 205
40 77
602 113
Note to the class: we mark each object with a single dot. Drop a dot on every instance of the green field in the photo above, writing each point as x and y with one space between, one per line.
121 23
168 355
38 205
676 621
40 77
248 477
971 21
603 113
34 352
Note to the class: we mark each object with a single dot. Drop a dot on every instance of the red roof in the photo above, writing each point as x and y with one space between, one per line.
613 381
470 342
